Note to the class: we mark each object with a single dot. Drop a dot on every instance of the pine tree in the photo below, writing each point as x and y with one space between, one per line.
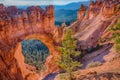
68 49
116 36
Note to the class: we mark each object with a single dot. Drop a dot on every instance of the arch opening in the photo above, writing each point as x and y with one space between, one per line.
35 53
16 57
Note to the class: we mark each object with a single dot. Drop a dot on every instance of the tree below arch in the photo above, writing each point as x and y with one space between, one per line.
35 53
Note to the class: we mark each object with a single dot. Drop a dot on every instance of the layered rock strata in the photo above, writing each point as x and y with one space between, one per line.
92 22
17 25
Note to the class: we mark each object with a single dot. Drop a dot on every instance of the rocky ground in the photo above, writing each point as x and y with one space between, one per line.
109 70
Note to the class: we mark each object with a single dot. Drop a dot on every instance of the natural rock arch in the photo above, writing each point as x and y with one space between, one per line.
17 25
50 61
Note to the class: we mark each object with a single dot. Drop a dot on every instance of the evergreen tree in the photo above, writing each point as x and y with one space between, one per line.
66 62
116 36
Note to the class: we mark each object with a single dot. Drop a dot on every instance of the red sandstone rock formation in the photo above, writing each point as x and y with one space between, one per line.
99 16
81 12
17 25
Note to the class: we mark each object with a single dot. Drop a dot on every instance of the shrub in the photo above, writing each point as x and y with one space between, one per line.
116 36
117 48
63 76
94 64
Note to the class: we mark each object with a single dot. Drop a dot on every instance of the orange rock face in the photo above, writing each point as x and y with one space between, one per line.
81 12
98 17
32 76
17 25
20 60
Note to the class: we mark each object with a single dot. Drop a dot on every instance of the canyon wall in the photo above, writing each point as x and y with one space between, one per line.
92 22
17 25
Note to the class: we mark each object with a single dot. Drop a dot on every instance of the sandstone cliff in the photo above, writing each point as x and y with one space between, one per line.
17 25
91 23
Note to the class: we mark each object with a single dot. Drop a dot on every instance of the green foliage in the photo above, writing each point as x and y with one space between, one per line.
62 76
94 64
117 40
116 26
116 36
117 48
35 53
68 49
